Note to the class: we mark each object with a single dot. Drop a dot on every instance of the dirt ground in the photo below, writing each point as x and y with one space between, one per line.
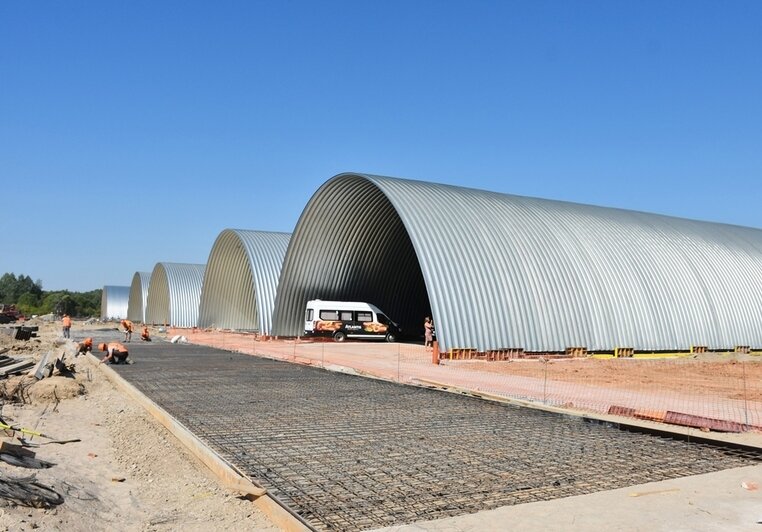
127 472
726 375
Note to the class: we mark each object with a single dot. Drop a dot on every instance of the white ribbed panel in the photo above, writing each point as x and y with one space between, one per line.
114 301
174 293
241 279
136 310
499 271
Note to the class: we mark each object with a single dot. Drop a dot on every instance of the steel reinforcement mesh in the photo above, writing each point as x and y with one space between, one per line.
351 453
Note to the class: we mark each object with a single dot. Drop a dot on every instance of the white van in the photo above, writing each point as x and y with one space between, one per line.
348 319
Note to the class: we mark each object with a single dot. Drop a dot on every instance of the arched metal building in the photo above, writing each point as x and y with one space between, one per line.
136 310
114 300
499 271
174 293
241 279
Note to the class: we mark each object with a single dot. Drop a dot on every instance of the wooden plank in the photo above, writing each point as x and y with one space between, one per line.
59 362
15 368
39 371
14 449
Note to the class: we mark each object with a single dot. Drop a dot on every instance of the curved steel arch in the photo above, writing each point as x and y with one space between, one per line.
241 279
499 271
114 301
174 293
136 310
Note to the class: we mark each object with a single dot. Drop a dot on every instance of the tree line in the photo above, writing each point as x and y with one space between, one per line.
30 298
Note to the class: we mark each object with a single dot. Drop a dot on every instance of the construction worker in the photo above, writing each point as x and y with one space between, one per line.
66 322
116 353
145 335
85 346
127 324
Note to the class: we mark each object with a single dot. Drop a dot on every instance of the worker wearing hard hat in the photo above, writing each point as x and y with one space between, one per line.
127 324
116 353
85 346
145 335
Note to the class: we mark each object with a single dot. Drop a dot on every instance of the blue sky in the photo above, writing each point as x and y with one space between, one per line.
135 132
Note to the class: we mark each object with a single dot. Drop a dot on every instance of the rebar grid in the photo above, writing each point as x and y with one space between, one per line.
350 453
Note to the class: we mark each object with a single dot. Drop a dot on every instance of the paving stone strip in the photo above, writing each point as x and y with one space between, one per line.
349 453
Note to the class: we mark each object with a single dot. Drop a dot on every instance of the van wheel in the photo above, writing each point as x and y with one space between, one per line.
339 336
391 337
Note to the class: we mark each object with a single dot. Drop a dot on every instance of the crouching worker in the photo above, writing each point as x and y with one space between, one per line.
84 347
116 353
145 335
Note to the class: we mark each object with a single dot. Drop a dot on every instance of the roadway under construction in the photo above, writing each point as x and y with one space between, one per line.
351 453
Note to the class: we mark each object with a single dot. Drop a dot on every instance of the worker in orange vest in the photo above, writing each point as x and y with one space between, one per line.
85 346
127 324
116 353
66 322
145 335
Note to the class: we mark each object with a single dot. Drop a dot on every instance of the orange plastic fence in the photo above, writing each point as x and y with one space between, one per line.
720 392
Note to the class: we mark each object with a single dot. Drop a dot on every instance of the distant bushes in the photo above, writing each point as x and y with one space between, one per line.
30 298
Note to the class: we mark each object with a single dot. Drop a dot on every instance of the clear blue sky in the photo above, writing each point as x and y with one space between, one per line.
134 132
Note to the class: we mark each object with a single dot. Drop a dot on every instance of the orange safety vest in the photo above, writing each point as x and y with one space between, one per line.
88 342
66 321
127 324
115 346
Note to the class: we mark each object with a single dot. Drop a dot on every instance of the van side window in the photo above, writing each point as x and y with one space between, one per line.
383 319
309 315
329 315
362 317
346 315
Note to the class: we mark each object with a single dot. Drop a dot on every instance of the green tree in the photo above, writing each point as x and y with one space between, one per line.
30 298
28 304
50 302
66 305
88 303
12 287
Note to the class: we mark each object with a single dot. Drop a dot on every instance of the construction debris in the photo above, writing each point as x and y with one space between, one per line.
42 369
27 491
16 366
19 456
25 333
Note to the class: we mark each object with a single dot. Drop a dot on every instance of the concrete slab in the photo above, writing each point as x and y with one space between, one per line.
702 503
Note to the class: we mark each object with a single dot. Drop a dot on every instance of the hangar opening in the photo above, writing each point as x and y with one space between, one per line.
351 245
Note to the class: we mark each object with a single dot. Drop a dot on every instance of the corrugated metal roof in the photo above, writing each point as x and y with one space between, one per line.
136 310
241 279
114 300
500 271
174 293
